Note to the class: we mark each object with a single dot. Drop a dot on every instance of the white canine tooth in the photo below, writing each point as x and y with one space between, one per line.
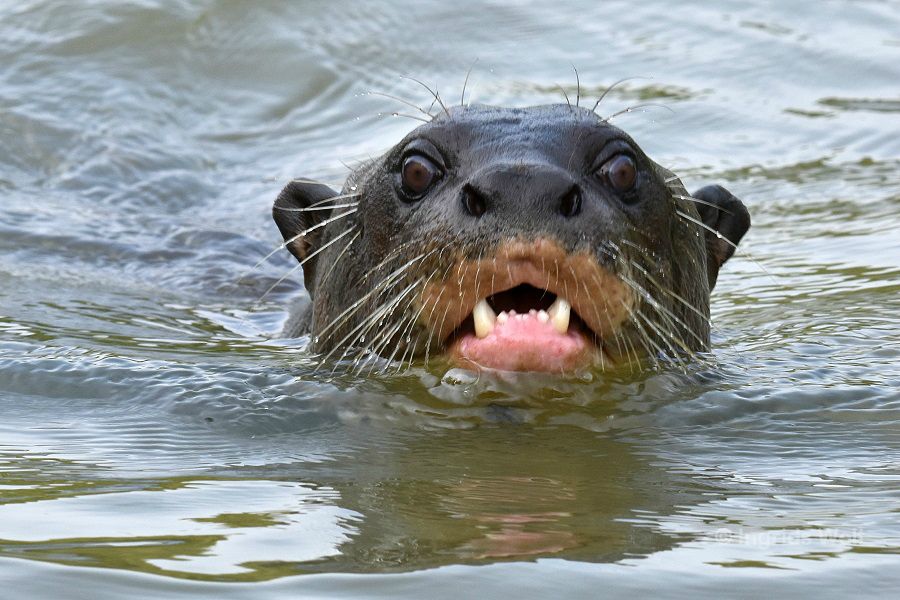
484 318
559 314
542 316
502 317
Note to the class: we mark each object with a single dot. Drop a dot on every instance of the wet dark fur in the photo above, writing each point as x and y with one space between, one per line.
519 163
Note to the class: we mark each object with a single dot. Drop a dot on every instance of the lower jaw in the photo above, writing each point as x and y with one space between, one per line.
570 354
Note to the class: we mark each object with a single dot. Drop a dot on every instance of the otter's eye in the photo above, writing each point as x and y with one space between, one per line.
620 171
417 174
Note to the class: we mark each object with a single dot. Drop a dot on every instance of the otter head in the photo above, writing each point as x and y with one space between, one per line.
539 239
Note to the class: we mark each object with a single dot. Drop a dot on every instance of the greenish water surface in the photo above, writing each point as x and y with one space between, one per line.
157 439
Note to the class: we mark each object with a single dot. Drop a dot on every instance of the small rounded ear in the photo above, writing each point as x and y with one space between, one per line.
300 212
725 214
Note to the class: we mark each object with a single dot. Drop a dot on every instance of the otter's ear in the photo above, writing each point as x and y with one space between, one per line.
722 212
299 208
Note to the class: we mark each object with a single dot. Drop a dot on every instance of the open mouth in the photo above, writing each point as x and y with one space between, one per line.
524 328
529 306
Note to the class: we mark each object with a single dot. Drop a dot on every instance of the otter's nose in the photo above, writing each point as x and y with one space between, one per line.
533 189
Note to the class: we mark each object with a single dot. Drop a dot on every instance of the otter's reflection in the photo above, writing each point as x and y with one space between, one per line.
510 493
507 532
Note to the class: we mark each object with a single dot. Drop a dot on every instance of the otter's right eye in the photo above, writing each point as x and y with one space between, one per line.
417 175
621 172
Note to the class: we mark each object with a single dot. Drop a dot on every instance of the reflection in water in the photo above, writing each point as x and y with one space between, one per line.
411 498
510 493
495 494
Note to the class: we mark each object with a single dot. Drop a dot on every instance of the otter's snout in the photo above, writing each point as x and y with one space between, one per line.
512 191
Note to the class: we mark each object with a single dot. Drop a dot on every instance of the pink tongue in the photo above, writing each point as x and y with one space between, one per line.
523 343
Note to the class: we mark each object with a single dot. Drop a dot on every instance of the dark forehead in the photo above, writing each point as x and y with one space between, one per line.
535 126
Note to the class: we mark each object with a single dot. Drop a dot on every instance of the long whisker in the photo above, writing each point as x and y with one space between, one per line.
670 317
358 304
644 337
565 95
577 87
378 343
666 334
405 335
600 340
661 287
376 320
671 293
313 181
303 262
608 318
462 97
403 360
384 338
411 345
287 242
610 88
377 315
370 322
663 312
389 280
315 208
339 257
393 254
409 116
403 101
637 107
699 201
720 236
706 227
361 330
431 329
320 225
629 351
664 337
434 93
333 198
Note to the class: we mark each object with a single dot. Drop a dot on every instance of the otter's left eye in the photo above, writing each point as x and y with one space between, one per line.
620 171
417 174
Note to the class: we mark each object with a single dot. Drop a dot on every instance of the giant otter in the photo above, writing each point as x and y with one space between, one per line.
527 239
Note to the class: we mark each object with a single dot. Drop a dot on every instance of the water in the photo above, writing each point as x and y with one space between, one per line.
156 434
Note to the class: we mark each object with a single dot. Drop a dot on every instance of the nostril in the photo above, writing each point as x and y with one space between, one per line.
474 202
570 204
